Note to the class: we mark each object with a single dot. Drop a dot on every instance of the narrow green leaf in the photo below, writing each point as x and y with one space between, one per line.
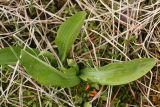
118 73
46 74
68 32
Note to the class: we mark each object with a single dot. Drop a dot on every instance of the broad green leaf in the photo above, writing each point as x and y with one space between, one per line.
46 74
8 55
68 32
118 73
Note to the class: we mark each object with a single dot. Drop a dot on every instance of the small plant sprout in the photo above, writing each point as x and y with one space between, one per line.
112 74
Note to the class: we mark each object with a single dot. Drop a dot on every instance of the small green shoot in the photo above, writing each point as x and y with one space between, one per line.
111 74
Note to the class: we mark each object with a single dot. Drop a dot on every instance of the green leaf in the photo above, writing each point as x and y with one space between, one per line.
8 55
46 74
68 32
118 73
